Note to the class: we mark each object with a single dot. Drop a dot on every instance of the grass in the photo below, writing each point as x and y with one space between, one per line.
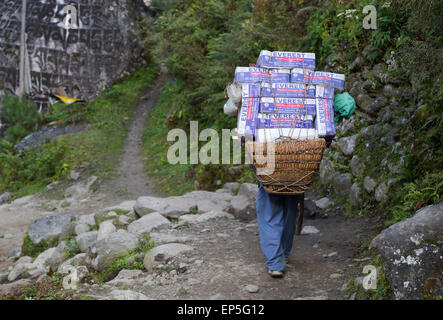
168 179
33 250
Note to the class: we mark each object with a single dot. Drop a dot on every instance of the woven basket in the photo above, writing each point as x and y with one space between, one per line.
296 163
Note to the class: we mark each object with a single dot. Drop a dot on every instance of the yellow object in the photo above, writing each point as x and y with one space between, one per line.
66 99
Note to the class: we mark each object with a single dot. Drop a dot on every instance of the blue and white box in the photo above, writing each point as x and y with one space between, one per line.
284 120
259 75
334 80
247 117
285 59
324 92
288 105
299 75
324 121
288 90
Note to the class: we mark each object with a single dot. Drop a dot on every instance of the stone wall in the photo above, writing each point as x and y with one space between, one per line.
84 60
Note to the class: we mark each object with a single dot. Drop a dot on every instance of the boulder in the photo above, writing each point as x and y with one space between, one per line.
163 252
88 219
348 144
4 198
82 189
163 238
77 261
369 184
356 166
248 190
324 203
48 227
233 187
126 295
81 228
364 101
106 228
147 223
113 246
326 171
243 208
381 192
354 195
86 240
10 288
412 253
126 278
342 183
174 207
198 218
43 260
21 270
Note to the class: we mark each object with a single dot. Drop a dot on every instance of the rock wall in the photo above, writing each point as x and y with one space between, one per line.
82 60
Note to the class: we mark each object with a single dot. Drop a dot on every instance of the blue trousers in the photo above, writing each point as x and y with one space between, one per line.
276 217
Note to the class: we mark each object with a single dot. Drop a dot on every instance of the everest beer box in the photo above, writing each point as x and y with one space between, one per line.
247 117
324 121
328 79
284 120
288 105
284 59
286 90
258 75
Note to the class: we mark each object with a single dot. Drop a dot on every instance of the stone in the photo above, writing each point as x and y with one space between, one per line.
198 218
21 270
147 223
113 246
126 295
81 228
243 208
354 195
369 184
106 228
15 253
412 252
326 171
348 125
77 261
335 276
161 238
126 278
342 183
124 220
86 240
88 219
174 207
4 198
356 166
83 189
57 257
74 175
388 91
379 74
391 137
233 187
310 230
348 144
364 101
370 131
381 192
251 288
386 115
48 227
164 251
248 190
356 64
24 259
324 203
10 288
217 296
44 259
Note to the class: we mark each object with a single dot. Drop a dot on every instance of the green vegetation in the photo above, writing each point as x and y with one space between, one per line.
33 250
383 291
49 289
130 261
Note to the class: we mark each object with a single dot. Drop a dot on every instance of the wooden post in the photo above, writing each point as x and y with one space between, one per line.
301 212
21 89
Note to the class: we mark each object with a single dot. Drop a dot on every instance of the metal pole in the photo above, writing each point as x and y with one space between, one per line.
21 89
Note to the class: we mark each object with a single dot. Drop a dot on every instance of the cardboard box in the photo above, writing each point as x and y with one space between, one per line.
324 121
284 120
288 105
299 75
267 135
288 90
285 59
334 80
251 90
324 92
259 75
247 117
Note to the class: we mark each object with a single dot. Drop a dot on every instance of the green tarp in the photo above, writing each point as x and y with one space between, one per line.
344 105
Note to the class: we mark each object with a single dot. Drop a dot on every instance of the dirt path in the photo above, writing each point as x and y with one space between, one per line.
132 181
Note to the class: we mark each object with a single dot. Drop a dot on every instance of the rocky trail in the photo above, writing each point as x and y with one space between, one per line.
206 243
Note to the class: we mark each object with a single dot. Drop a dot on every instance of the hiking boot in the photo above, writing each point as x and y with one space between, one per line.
275 274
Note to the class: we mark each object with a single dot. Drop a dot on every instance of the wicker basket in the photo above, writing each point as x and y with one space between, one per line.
296 163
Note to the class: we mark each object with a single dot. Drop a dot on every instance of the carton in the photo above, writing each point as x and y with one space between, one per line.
328 79
251 90
284 120
247 117
288 105
259 75
324 92
299 75
288 90
285 59
324 121
268 135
